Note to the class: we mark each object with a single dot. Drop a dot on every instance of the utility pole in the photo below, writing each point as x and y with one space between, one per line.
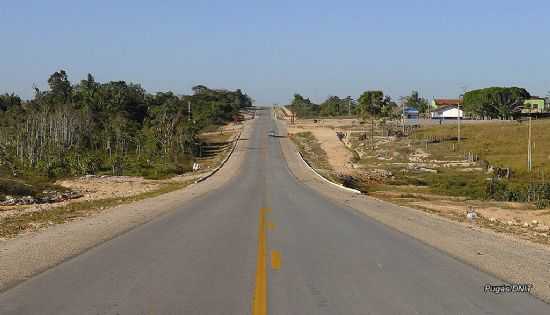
529 153
459 117
403 117
349 105
189 110
374 104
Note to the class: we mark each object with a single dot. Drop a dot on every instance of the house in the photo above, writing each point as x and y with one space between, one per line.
534 105
447 112
446 108
439 102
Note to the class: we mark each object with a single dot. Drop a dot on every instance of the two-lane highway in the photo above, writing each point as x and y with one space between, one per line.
263 244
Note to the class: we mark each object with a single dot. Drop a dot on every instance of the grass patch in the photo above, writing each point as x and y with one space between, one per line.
311 150
457 184
501 144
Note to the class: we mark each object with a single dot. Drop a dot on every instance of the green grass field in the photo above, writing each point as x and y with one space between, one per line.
501 144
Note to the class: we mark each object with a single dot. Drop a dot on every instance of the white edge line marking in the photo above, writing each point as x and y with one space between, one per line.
325 179
223 162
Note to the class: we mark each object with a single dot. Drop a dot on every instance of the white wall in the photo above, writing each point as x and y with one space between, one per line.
449 113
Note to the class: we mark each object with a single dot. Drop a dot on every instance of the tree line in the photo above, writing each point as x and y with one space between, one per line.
371 103
114 127
485 103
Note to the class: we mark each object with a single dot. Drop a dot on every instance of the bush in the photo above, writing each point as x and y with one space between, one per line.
501 190
57 170
458 184
15 188
542 203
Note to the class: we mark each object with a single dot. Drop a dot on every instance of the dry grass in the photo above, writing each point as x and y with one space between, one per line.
311 150
13 225
501 144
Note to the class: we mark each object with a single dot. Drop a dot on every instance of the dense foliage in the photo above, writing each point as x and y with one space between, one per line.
370 103
494 102
334 106
113 127
374 103
303 107
419 103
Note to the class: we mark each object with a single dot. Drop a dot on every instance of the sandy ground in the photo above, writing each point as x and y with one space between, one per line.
518 218
339 157
96 188
503 255
36 251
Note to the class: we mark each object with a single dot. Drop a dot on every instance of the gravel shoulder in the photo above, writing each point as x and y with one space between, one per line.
508 258
34 252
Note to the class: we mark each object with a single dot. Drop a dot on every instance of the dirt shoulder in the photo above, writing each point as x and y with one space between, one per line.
33 252
339 157
502 255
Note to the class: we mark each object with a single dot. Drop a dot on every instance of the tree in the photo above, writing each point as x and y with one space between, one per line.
303 107
417 102
85 93
372 103
114 126
388 108
8 101
60 87
335 106
494 102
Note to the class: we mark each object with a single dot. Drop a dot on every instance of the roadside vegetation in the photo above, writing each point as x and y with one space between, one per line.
425 167
105 144
489 164
312 152
113 128
11 226
500 149
496 153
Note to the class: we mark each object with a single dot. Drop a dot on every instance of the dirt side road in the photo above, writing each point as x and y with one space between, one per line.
34 252
509 259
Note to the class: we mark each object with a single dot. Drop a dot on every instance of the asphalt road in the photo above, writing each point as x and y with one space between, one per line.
263 244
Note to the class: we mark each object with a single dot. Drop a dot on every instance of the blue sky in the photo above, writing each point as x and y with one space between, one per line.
273 49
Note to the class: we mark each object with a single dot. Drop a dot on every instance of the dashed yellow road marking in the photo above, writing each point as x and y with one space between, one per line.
271 225
259 302
275 259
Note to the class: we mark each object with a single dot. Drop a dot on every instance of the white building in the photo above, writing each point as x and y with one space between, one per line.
447 112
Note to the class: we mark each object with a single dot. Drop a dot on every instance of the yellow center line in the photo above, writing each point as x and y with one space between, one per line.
275 259
271 225
259 302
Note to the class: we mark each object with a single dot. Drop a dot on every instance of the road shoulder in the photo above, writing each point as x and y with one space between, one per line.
507 258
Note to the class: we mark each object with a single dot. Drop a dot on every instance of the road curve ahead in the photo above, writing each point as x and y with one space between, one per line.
263 244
